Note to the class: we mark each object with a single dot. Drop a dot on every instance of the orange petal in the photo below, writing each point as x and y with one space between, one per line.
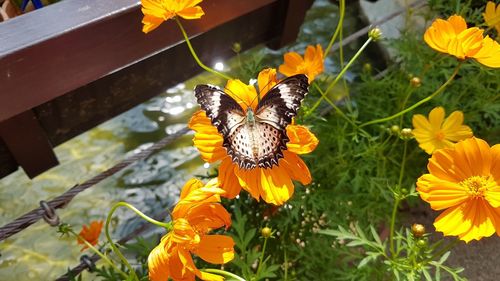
458 23
191 13
266 80
227 178
216 249
440 194
158 263
249 180
292 61
181 265
150 23
302 141
296 168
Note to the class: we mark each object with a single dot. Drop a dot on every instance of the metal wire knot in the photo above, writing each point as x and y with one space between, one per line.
49 214
88 262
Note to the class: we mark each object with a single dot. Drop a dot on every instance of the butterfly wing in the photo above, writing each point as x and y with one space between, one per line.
274 113
229 119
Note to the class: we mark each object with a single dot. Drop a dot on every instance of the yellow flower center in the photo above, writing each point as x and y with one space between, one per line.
476 186
440 135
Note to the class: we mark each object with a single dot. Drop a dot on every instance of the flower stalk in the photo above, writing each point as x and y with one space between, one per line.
419 103
195 56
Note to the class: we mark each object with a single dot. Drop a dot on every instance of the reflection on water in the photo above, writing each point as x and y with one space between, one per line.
38 253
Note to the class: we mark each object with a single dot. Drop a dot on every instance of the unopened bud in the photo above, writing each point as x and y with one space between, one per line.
406 133
415 82
375 34
418 230
421 243
236 47
367 68
395 129
266 232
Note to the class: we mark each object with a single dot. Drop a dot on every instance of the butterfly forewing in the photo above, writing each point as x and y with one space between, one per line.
224 112
260 141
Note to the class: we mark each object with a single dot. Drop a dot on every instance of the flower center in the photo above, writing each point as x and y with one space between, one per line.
440 135
476 186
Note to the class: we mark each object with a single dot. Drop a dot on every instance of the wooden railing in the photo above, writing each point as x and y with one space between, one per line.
72 65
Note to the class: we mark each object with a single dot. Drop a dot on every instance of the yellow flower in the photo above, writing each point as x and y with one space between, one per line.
437 132
492 16
90 234
465 182
274 184
157 11
198 212
311 65
452 37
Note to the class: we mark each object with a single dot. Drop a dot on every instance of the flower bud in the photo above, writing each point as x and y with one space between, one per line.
375 34
415 82
418 230
406 133
236 47
367 68
421 243
266 232
395 129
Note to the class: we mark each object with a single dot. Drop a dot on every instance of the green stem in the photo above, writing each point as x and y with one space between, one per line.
224 273
195 56
408 91
97 252
339 27
262 256
112 244
397 199
419 103
342 72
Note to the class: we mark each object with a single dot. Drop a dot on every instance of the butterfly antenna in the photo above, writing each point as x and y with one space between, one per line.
258 92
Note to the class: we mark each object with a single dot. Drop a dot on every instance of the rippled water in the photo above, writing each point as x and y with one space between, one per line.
38 253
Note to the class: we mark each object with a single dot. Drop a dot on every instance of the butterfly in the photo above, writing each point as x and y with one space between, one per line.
254 138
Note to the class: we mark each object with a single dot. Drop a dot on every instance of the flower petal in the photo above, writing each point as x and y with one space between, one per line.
440 194
276 186
244 94
190 13
296 168
216 249
158 263
266 80
489 54
302 141
228 179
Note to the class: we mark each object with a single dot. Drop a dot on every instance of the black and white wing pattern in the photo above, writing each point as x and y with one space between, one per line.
224 112
260 141
274 113
230 120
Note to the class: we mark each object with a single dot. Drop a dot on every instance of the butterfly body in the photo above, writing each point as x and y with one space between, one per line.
254 138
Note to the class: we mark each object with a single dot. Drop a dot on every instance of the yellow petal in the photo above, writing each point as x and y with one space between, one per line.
440 194
216 249
244 94
276 186
302 141
436 117
489 54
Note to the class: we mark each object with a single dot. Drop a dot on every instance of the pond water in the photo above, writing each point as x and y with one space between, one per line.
39 253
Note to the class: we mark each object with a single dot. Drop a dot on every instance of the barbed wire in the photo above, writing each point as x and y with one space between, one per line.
62 200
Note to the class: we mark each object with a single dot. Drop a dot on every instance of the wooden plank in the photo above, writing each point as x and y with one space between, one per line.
42 58
27 143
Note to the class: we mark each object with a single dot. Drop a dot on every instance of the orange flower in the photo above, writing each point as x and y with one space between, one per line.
274 184
198 212
492 16
452 37
311 65
157 11
437 132
464 180
90 233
